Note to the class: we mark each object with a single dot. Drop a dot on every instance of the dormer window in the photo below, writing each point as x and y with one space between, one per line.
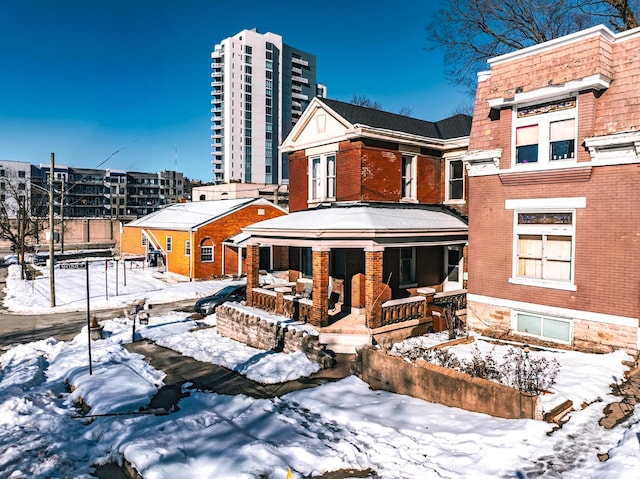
545 132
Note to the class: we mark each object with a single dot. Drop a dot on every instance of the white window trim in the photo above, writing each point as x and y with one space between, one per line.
543 120
412 197
514 326
322 183
187 248
558 230
169 243
213 252
447 185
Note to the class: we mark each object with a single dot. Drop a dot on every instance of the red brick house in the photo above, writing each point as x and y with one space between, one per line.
188 238
554 203
377 224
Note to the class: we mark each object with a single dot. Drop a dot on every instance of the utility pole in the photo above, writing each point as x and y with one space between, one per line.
52 280
62 217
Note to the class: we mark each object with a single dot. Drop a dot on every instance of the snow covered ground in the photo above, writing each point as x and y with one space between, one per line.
341 425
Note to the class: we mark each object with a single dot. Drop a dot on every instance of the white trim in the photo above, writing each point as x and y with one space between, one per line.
322 150
598 30
482 162
575 314
543 283
546 203
571 88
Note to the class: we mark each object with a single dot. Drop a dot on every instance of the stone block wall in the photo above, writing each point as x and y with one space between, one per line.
261 333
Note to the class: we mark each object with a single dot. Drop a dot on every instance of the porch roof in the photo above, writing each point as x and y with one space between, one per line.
363 224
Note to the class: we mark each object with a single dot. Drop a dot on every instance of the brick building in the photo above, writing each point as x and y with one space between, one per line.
553 168
187 238
377 224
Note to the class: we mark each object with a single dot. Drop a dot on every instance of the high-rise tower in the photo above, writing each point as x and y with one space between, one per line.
259 88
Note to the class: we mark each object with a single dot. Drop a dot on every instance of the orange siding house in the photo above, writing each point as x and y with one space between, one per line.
187 238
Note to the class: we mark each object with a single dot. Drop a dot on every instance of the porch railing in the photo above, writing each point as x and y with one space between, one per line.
405 309
297 308
264 299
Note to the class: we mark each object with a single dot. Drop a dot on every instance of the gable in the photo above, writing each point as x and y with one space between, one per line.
318 126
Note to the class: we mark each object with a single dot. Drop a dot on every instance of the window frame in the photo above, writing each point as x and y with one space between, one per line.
411 281
449 179
408 177
187 248
169 243
545 231
202 249
544 318
543 115
322 182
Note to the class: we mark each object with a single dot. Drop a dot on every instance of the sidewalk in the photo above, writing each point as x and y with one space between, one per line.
211 377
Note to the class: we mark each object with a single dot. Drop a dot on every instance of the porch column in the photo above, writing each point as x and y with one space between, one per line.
373 287
320 292
253 271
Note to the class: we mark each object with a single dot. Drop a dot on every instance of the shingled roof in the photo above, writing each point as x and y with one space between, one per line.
456 126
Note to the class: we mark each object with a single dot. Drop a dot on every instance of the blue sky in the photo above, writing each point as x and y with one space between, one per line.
87 78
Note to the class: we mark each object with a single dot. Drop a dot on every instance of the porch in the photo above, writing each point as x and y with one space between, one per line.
369 272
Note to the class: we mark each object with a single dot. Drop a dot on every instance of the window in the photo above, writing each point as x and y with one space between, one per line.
407 266
187 248
206 254
322 178
144 240
22 174
455 180
169 243
546 132
544 248
408 177
555 329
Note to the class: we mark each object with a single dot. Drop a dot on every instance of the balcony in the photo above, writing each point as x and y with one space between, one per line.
299 61
300 79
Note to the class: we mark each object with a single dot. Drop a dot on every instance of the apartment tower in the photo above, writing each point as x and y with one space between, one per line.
259 89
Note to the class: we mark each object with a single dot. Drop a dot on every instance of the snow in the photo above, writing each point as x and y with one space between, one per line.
339 425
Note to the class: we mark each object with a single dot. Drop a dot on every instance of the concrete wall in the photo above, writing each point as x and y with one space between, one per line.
436 384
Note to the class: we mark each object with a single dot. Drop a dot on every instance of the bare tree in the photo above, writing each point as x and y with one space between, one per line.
468 32
406 110
18 223
363 100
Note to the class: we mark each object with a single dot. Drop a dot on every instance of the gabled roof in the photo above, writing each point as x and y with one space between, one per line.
192 215
456 126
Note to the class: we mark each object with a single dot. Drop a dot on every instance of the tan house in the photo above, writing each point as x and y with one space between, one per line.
187 238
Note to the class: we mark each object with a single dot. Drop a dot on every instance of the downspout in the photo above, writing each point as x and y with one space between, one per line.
191 255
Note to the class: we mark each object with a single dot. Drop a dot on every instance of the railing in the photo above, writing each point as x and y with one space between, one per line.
297 308
405 309
456 300
264 299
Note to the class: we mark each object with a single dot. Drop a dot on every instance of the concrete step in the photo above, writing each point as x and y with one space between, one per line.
341 343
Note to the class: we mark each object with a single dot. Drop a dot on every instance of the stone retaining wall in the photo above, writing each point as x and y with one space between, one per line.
437 384
262 333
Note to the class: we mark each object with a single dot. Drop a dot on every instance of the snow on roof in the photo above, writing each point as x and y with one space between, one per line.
362 217
185 216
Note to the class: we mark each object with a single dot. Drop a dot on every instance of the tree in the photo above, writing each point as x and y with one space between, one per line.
406 110
18 222
362 100
469 32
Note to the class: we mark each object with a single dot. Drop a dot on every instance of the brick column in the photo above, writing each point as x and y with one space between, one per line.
253 271
320 294
373 287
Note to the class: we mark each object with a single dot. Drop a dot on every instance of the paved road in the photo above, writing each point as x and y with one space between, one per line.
24 328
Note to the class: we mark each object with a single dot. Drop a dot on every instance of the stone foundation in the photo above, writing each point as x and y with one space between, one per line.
588 336
261 333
